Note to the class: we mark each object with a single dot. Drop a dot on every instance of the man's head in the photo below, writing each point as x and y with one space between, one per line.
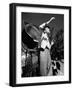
47 29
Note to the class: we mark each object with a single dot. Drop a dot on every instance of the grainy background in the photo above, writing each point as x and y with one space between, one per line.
39 18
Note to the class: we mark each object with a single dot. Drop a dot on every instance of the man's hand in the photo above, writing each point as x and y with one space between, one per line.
50 20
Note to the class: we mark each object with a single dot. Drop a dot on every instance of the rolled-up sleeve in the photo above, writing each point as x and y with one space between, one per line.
42 25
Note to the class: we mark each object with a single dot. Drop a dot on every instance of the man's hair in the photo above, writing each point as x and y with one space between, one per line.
46 26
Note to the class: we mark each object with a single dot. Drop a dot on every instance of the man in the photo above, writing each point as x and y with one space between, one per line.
45 58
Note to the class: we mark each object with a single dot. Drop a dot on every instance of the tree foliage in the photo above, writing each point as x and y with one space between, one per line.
57 50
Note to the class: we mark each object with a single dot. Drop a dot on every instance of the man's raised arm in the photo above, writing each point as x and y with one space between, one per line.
46 23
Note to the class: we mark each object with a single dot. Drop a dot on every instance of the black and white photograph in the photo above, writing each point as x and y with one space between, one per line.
40 44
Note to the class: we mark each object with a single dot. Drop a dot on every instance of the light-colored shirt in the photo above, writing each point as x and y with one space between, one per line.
45 41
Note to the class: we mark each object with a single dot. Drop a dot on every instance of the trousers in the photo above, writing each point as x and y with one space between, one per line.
45 63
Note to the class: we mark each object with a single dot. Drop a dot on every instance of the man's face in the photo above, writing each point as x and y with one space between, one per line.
47 30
